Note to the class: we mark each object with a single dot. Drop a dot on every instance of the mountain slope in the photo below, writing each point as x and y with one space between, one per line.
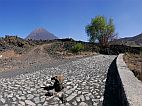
41 34
130 41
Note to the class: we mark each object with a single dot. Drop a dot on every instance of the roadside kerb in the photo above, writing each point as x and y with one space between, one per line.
132 86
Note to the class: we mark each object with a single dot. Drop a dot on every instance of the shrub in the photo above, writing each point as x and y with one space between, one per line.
77 48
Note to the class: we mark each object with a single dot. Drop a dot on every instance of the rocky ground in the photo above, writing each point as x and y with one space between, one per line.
84 84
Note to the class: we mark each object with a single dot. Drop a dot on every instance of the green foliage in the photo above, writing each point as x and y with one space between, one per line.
77 48
101 30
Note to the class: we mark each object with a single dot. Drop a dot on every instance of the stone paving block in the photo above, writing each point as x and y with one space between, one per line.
84 83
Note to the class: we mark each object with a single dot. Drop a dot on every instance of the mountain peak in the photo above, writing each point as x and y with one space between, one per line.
40 30
41 34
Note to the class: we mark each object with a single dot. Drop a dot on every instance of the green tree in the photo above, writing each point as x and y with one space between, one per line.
100 29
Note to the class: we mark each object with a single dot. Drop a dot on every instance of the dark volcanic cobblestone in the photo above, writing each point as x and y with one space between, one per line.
84 84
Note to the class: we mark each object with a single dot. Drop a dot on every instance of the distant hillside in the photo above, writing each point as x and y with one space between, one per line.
14 43
41 34
130 41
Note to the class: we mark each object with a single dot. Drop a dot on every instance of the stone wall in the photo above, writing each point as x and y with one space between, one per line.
117 49
132 86
114 94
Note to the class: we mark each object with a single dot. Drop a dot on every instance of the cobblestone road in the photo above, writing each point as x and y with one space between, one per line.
84 84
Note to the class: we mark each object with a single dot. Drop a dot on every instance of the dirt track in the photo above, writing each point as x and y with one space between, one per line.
12 61
35 59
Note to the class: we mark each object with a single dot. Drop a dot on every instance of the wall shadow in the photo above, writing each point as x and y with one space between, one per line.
114 94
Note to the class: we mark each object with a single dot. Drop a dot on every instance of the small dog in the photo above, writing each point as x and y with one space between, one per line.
57 86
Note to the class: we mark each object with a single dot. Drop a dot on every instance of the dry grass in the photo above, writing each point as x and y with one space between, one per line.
134 63
9 54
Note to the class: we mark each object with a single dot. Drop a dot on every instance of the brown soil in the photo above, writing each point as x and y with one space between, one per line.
9 54
37 56
134 63
11 61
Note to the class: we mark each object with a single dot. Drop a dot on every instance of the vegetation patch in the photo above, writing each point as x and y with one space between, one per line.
77 48
134 63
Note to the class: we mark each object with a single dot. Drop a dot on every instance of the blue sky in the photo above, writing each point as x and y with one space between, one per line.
68 18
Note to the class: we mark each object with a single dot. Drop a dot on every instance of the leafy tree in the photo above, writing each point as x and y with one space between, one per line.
100 29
